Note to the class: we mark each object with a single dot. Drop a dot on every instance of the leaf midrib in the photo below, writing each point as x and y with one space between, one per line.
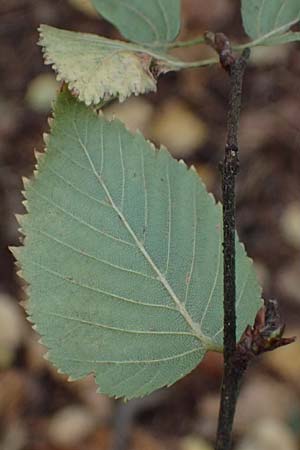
204 339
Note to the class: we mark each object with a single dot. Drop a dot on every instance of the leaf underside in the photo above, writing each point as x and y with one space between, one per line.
123 257
261 17
96 68
154 22
283 39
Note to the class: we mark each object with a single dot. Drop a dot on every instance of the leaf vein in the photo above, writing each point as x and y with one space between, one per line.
142 361
123 171
145 197
152 378
83 253
69 183
166 20
280 9
170 219
180 306
143 17
195 226
259 18
102 148
82 222
68 158
238 301
68 279
214 282
130 377
121 330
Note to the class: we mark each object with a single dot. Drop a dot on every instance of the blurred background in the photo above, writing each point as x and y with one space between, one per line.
39 409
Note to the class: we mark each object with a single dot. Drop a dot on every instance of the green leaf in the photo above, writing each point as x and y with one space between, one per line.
154 22
262 18
123 257
96 68
282 39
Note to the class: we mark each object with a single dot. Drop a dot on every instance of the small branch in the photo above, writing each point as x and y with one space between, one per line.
266 334
233 372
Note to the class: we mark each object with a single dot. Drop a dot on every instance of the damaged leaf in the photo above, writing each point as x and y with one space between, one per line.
95 68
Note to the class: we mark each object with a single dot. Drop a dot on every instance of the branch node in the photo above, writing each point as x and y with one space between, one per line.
265 335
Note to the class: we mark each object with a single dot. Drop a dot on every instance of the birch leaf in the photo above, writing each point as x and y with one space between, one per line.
96 68
123 257
265 18
285 38
154 22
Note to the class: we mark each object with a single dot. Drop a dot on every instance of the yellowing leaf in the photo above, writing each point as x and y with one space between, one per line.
96 68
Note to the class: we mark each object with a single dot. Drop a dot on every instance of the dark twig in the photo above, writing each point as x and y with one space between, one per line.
233 370
266 334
